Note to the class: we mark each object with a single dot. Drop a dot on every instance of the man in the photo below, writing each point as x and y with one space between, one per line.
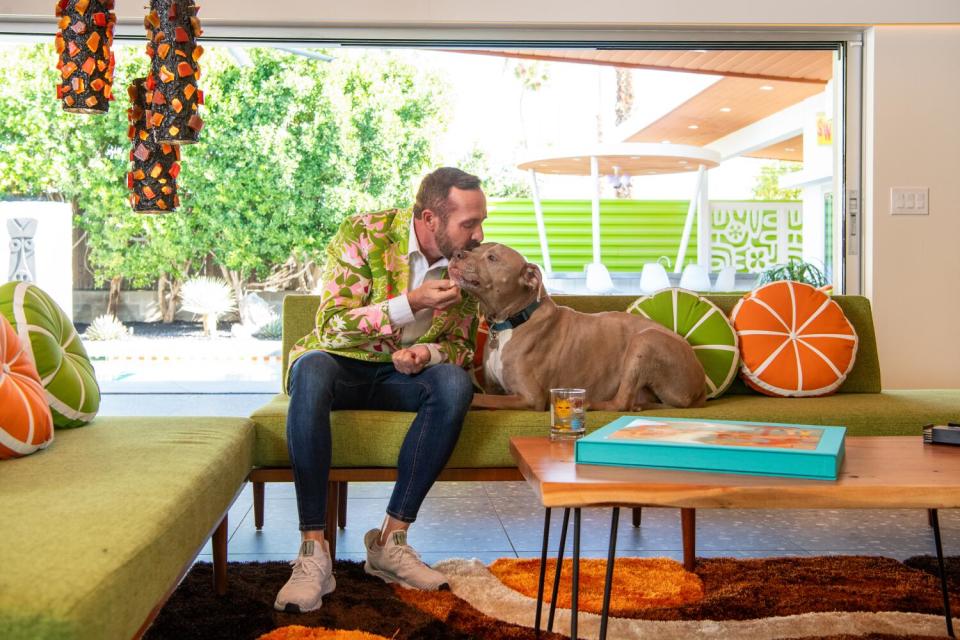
392 333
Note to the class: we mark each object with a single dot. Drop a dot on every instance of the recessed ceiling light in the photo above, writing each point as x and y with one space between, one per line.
766 87
693 126
683 162
699 50
664 142
789 149
725 109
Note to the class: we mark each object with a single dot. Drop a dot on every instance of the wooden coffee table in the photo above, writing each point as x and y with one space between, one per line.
889 472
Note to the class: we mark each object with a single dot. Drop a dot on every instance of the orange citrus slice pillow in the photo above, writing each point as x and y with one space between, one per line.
26 424
794 340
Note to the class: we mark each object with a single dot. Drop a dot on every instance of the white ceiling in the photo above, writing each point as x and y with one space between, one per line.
540 13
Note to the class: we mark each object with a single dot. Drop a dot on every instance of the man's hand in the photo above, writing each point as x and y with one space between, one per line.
411 360
434 294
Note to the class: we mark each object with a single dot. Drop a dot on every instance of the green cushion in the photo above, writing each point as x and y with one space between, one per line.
62 362
703 325
99 526
373 438
299 313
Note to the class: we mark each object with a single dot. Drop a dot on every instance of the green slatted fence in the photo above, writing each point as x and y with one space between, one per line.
632 232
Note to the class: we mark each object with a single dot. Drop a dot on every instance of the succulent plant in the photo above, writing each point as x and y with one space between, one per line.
210 298
106 327
796 270
273 330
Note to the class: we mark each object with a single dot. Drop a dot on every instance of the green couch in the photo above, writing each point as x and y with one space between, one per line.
366 443
98 529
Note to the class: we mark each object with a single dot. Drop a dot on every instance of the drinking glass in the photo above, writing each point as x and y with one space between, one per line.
568 416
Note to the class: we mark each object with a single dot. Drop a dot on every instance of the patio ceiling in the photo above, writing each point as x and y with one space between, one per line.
746 99
814 67
755 85
791 150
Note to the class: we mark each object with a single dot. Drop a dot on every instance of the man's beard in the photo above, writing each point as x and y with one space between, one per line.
447 247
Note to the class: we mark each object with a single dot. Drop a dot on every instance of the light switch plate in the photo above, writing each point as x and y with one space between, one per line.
913 201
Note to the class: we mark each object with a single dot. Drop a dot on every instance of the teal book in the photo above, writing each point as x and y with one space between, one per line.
718 446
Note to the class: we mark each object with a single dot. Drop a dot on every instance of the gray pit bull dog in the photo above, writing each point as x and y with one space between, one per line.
624 361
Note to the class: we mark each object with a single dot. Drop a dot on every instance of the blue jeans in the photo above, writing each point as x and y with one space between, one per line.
321 382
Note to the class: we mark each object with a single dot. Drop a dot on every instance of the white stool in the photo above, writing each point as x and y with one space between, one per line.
653 278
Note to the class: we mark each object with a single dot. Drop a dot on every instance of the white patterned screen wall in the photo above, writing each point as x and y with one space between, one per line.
752 236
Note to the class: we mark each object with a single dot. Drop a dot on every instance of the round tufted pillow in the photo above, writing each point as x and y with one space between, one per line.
794 340
703 325
49 338
25 421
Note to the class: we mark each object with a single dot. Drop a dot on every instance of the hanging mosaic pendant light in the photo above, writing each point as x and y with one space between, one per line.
86 61
153 178
173 27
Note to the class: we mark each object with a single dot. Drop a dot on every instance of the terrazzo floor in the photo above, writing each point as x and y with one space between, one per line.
490 520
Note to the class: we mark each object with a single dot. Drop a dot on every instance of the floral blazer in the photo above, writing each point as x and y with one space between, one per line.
366 265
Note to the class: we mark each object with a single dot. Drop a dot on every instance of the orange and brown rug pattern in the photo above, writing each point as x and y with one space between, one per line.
841 597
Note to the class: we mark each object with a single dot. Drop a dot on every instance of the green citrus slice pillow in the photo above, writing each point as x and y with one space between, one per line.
49 338
703 325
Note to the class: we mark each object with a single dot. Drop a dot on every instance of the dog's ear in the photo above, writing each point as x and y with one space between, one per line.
531 277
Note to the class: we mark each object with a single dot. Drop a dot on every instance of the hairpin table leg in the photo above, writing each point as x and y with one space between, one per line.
556 574
608 582
935 523
543 569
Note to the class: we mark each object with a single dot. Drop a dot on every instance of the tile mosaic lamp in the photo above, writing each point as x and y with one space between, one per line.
153 178
86 61
174 97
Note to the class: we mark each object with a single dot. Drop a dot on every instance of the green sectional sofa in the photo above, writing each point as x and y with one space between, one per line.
98 529
366 443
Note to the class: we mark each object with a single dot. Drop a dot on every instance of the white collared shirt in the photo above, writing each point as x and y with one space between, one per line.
413 325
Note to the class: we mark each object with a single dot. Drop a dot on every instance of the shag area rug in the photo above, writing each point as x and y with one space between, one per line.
836 597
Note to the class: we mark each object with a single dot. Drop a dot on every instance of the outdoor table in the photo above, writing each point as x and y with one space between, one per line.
626 160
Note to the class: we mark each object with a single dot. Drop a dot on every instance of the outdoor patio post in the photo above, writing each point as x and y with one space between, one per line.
704 223
595 174
541 227
688 223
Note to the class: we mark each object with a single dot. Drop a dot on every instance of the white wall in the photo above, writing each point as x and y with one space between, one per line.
912 268
614 13
53 242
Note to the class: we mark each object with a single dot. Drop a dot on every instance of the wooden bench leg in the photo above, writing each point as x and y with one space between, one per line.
637 511
342 506
258 504
688 523
333 503
220 557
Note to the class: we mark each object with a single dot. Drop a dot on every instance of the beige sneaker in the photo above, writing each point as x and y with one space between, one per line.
311 580
397 562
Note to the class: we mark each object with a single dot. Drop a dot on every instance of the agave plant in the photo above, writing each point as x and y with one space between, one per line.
106 327
796 270
209 298
273 330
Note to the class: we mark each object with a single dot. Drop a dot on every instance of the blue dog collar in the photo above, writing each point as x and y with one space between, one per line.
518 319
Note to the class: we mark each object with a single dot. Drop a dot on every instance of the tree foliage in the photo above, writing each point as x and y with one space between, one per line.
291 145
503 182
768 181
